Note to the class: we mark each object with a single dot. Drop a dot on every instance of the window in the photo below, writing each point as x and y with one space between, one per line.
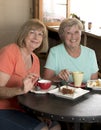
87 10
51 12
54 10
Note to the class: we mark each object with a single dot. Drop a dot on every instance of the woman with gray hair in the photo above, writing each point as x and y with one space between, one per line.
70 55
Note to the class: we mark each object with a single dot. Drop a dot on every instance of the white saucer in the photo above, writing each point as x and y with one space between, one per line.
41 91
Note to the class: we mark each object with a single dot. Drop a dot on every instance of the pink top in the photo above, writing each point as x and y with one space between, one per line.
11 62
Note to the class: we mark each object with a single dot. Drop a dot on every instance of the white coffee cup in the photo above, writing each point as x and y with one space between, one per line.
77 78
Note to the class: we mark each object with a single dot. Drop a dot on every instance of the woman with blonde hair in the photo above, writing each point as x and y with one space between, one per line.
19 71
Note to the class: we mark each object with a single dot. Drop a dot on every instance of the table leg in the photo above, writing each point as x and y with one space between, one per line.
76 126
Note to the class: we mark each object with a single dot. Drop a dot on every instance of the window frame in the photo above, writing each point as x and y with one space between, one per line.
38 11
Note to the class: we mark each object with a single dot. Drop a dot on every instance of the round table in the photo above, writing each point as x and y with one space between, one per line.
86 109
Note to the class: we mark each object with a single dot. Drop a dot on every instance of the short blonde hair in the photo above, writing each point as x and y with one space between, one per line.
29 25
69 22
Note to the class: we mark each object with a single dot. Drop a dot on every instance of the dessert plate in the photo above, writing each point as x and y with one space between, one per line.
78 92
94 84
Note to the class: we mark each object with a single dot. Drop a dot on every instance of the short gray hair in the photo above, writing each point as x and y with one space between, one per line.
69 22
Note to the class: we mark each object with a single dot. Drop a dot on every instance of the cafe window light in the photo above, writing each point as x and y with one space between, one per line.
54 10
87 10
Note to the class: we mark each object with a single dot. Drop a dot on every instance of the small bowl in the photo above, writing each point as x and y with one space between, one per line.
44 84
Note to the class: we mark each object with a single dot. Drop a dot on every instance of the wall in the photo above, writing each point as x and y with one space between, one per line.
13 13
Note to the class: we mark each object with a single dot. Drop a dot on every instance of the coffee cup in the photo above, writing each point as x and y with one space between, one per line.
77 78
44 84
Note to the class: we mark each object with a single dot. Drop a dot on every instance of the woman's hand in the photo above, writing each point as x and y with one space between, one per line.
64 75
29 82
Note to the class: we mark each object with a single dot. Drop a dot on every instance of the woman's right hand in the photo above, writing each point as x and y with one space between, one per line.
64 74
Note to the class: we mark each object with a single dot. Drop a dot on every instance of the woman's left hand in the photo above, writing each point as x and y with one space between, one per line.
29 81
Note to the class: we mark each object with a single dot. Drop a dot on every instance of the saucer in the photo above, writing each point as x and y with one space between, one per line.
83 85
42 91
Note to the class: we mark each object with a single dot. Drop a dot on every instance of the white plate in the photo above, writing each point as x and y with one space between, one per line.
78 92
41 91
93 84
